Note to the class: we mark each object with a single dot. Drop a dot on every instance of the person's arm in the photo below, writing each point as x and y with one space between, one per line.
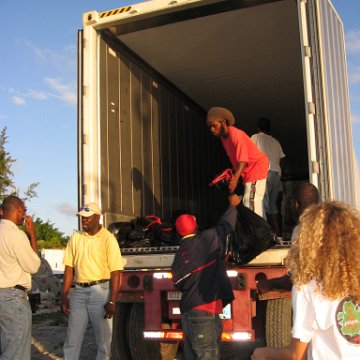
234 181
281 283
295 351
67 282
227 222
110 306
30 232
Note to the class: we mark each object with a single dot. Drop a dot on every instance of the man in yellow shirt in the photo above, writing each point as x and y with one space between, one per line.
92 263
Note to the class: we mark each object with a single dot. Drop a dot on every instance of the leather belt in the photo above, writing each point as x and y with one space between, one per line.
19 287
91 283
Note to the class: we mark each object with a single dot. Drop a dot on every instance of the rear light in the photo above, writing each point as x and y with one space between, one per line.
231 273
236 336
163 335
169 335
162 275
133 281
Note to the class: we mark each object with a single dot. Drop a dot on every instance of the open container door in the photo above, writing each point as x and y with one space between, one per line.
327 100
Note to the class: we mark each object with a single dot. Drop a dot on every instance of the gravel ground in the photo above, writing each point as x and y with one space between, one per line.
48 336
49 332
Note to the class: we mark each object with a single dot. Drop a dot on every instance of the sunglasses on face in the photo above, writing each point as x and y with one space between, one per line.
87 209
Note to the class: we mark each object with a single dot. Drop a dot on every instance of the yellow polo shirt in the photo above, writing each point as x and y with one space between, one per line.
94 257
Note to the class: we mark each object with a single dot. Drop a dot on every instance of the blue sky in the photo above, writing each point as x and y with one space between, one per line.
38 95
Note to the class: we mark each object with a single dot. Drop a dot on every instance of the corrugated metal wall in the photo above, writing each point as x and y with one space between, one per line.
336 108
157 155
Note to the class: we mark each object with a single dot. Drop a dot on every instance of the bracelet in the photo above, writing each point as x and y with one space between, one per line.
111 302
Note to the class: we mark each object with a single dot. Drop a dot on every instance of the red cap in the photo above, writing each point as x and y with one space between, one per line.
186 224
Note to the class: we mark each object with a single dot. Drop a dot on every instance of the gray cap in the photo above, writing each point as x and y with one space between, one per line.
221 112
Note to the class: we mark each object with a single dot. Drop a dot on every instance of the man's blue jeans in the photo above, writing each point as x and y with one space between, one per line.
88 304
15 325
202 335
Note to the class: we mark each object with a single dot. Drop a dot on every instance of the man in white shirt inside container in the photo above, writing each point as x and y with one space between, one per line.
272 148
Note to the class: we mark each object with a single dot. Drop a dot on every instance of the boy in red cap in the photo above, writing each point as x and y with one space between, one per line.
199 273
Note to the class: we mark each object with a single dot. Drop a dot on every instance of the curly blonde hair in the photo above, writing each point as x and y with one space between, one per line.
326 249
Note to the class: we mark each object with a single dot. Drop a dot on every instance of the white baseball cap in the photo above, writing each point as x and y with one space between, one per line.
89 210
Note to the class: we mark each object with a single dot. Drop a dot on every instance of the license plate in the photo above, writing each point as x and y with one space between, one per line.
174 295
225 315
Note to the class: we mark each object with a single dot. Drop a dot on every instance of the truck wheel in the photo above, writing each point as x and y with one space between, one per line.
278 322
119 344
140 349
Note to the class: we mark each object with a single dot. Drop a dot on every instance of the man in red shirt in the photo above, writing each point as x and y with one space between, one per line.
247 160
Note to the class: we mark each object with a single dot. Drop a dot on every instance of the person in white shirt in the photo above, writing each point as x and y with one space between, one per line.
273 150
324 263
18 260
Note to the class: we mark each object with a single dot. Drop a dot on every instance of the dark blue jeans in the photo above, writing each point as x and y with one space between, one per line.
202 335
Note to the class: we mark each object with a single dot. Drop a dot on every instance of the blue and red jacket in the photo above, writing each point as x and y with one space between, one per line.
198 269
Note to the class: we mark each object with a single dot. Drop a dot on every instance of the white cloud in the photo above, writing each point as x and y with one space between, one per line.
64 92
18 100
354 76
355 119
39 95
64 60
353 41
66 209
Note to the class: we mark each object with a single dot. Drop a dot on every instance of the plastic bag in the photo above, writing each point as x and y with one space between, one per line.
252 236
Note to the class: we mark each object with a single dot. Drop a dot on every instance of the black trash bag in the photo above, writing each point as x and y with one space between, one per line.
166 234
252 236
121 230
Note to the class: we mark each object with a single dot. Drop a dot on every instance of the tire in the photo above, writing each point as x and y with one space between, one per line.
140 348
119 344
278 322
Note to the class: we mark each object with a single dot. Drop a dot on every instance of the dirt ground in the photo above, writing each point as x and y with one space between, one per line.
48 336
49 332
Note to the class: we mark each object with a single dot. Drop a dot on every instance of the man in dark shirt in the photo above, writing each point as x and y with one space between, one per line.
199 273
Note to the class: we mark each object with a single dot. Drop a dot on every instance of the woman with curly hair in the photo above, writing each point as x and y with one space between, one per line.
324 262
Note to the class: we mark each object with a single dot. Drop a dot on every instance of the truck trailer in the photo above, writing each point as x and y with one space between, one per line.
147 74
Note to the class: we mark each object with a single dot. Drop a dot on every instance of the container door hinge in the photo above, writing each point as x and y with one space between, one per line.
315 167
311 107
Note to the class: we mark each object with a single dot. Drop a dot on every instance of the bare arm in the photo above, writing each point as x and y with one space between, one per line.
282 283
68 280
295 351
234 181
30 231
110 306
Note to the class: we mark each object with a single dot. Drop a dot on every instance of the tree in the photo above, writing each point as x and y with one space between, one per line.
48 236
7 185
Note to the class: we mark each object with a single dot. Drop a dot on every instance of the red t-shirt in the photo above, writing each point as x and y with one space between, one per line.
239 147
215 307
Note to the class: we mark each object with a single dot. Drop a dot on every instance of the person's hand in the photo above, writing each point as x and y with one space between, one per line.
263 286
110 308
234 200
259 354
232 185
65 306
29 226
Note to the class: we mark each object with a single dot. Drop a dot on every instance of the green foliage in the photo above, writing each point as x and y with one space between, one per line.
7 185
48 236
